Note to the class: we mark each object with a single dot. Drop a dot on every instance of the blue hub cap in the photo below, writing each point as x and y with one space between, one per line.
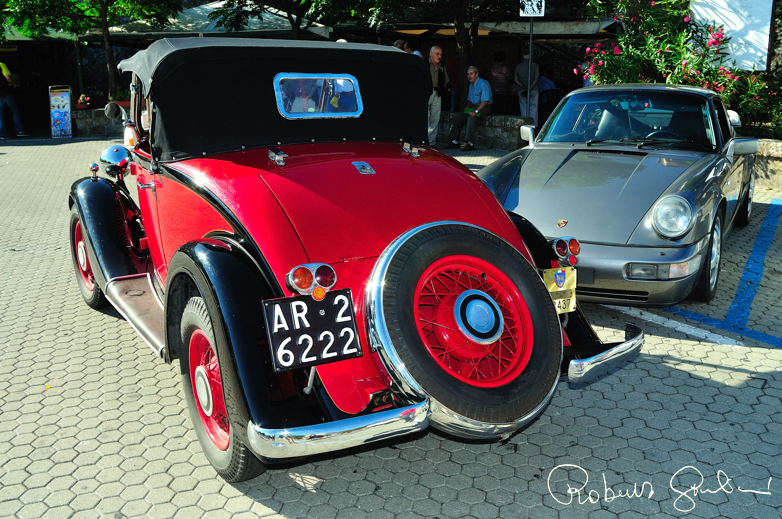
478 316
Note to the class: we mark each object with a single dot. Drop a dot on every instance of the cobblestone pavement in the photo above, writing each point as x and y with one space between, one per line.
92 424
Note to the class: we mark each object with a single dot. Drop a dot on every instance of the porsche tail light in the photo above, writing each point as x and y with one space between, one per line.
574 247
567 249
560 247
312 279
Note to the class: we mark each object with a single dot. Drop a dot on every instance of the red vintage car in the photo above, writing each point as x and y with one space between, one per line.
324 278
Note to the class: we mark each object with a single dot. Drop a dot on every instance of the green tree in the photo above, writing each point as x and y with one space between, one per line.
36 17
235 15
660 43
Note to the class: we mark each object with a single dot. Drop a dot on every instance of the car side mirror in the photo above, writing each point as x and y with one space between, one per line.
734 118
527 133
745 146
115 111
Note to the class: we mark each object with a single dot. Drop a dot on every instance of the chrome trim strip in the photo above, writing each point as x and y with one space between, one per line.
342 434
586 370
402 384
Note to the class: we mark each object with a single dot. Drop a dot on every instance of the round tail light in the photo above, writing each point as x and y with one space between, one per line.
325 276
560 247
574 246
302 278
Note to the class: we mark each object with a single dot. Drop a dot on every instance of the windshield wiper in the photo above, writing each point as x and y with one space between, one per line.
666 142
596 141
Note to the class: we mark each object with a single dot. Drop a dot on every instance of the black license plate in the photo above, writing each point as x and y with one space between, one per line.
304 332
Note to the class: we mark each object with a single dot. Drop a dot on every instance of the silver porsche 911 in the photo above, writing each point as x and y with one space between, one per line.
649 178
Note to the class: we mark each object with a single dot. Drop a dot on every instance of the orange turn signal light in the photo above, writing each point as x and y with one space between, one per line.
318 294
302 278
574 246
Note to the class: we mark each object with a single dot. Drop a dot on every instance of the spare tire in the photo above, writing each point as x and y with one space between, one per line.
470 324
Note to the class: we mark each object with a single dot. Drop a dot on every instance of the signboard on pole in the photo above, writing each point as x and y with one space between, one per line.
747 23
533 7
60 110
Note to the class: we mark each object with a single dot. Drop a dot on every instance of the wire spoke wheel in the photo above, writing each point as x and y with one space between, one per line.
456 343
473 326
208 388
202 381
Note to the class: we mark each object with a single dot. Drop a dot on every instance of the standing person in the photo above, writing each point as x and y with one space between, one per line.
440 81
520 78
478 105
7 99
400 44
500 81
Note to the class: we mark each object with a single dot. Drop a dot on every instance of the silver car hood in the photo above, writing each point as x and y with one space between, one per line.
602 194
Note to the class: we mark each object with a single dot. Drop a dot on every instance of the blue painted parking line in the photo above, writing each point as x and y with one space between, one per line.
738 312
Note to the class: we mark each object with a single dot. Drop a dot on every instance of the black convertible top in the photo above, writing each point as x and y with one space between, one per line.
213 95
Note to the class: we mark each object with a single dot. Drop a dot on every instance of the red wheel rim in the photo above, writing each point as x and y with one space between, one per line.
216 423
480 365
82 260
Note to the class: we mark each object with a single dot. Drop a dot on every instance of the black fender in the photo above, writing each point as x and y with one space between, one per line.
538 245
96 201
233 287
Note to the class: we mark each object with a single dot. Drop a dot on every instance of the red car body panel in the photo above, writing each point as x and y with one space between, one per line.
324 210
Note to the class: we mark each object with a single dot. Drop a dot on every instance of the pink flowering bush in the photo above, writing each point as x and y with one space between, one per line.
660 43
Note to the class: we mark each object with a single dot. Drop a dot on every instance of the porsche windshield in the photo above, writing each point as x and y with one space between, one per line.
659 118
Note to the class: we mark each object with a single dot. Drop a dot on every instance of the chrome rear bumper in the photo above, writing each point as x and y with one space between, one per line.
589 368
342 434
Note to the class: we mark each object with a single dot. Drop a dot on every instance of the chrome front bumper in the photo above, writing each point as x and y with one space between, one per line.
589 368
342 434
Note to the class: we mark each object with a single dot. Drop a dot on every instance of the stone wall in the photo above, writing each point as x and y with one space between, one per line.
94 123
768 164
494 131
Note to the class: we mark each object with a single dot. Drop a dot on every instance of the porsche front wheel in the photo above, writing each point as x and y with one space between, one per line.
745 211
473 323
90 291
709 274
203 388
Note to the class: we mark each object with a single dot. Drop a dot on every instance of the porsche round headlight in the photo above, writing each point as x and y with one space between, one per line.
672 216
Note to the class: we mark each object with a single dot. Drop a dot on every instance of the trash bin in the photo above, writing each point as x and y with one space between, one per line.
60 110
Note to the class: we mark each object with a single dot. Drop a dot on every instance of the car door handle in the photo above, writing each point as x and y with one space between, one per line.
152 185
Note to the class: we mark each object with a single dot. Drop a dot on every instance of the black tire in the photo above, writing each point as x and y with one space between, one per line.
90 291
229 456
745 211
518 389
709 274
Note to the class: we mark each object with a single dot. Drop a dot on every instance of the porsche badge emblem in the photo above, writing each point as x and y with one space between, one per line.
561 223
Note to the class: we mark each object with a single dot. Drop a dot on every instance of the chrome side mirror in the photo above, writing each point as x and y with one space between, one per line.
745 146
115 111
734 118
527 133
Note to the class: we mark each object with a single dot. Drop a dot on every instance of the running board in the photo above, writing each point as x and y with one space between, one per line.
135 298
